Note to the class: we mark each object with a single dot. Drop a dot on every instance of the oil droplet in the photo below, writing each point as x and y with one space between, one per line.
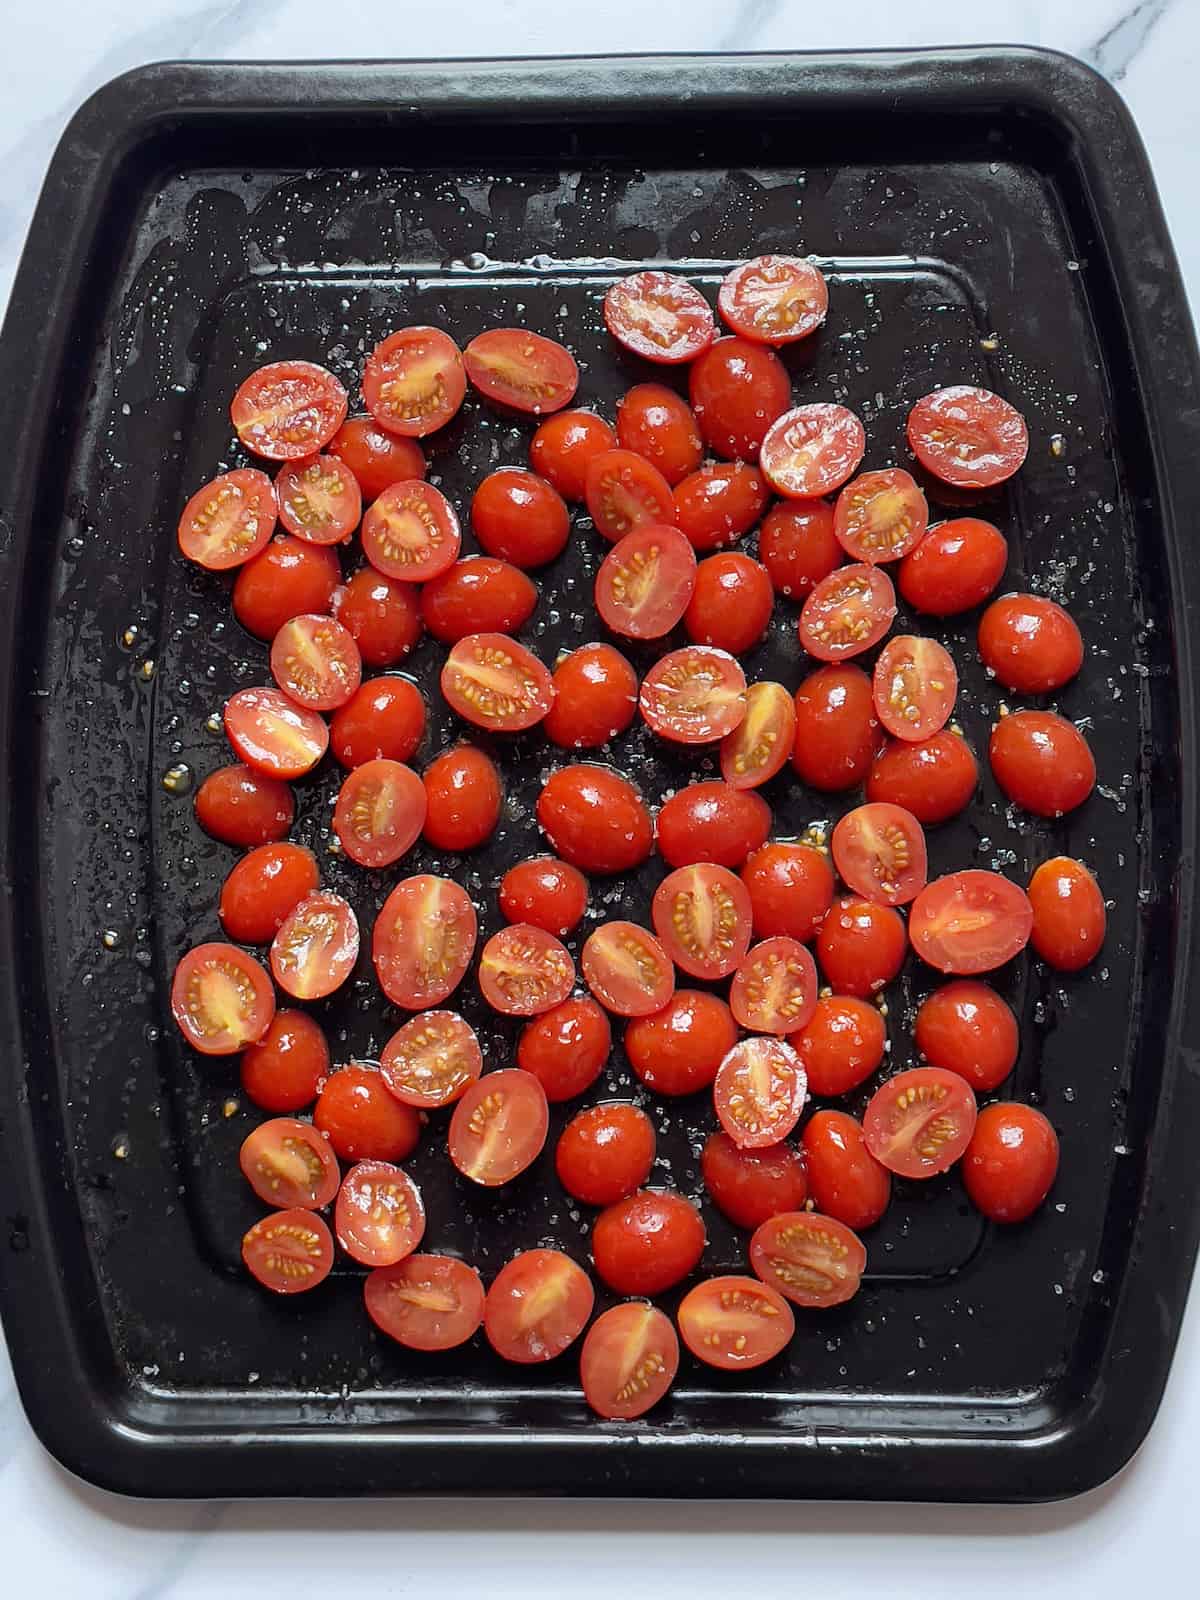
110 938
1058 446
130 636
990 343
120 1146
214 723
146 670
231 1107
178 779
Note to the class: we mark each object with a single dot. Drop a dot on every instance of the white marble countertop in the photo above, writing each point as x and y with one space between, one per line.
63 1538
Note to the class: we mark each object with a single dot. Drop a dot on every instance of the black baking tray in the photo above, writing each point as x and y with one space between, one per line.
986 216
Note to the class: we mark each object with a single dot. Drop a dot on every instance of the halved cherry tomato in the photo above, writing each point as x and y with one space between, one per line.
316 663
289 1251
319 499
879 850
844 1179
774 299
283 1069
1042 762
933 778
623 491
731 604
790 887
423 941
647 1242
413 381
263 887
566 1048
629 1360
383 720
774 989
837 732
627 969
432 1060
969 922
861 946
361 1120
411 532
797 545
919 1122
702 915
694 695
968 437
375 457
735 1323
273 734
538 1304
478 595
965 1027
1068 914
380 811
737 390
841 1044
749 1186
660 316
564 447
712 821
499 1127
653 421
285 580
230 520
809 1259
1030 643
550 893
221 999
677 1050
462 788
379 1217
595 819
520 517
382 614
289 1165
288 409
521 369
238 805
524 971
812 450
955 567
595 697
605 1153
1011 1162
759 1092
719 503
847 612
761 743
646 581
316 947
880 516
426 1302
496 683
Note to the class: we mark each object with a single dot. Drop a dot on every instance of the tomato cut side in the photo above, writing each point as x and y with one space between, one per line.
319 499
920 1122
288 409
812 450
915 686
273 734
760 745
702 915
969 922
499 1127
759 1092
627 969
879 850
411 532
774 299
774 989
694 695
221 999
316 663
967 437
426 1302
414 381
880 516
289 1251
809 1259
380 812
496 683
623 491
380 1216
423 941
525 970
629 1361
538 1304
431 1060
521 369
735 1323
316 947
847 612
229 521
646 581
660 316
289 1165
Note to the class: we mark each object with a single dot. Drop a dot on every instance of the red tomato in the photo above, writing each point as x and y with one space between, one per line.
645 582
844 1179
523 370
694 695
288 409
564 447
319 499
380 811
774 989
1068 914
627 969
968 437
240 806
837 732
411 532
934 778
538 1304
499 1127
376 458
520 517
737 390
382 615
464 796
282 1071
623 491
860 946
920 1122
229 521
761 743
383 720
660 316
287 579
316 947
774 299
274 735
221 999
653 421
263 887
647 1242
1031 644
749 1186
289 1251
595 697
735 1323
719 503
423 941
677 1050
841 1045
426 1302
478 595
566 1048
289 1165
595 819
629 1360
790 887
524 971
970 922
879 850
847 612
1042 762
362 1121
413 381
432 1060
545 891
605 1153
379 1217
880 516
713 822
731 604
812 450
797 545
954 568
809 1259
702 915
316 663
759 1092
965 1027
1011 1162
496 683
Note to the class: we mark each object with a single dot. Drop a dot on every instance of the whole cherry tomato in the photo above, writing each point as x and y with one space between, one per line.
837 730
464 795
731 603
595 819
712 821
595 698
1011 1162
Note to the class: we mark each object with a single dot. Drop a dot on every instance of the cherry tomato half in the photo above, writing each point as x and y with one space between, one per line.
545 891
809 1259
660 316
880 516
319 499
423 941
519 517
316 663
841 1044
965 1027
749 1186
282 1070
774 989
478 595
1011 1162
879 850
712 821
499 1127
732 602
629 1360
954 568
565 1048
735 1323
413 381
565 445
677 1050
432 1060
240 806
967 437
524 971
285 580
798 546
759 1092
595 697
737 390
263 887
288 409
289 1251
316 947
847 612
1042 762
411 532
837 731
464 795
229 521
627 969
538 1304
623 491
1030 643
380 811
653 421
719 503
1068 914
379 1217
221 999
595 819
969 922
289 1165
694 695
812 450
521 369
760 745
382 614
774 299
790 887
844 1179
383 720
648 1242
646 581
702 915
605 1153
376 458
496 683
919 1122
933 778
426 1302
860 946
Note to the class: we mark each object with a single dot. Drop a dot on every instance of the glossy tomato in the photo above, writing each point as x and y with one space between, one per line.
288 409
426 1302
478 595
790 887
702 915
383 720
431 1060
774 299
809 1259
967 437
382 614
496 683
847 612
623 491
413 381
605 1153
379 1217
316 947
844 1179
1042 762
880 516
524 971
737 390
1030 643
719 503
694 695
595 819
263 887
519 517
774 989
712 821
934 778
566 1048
595 697
677 1050
760 745
564 447
749 1186
969 922
653 421
1011 1162
812 450
860 946
376 458
289 1164
285 580
660 316
879 851
841 1044
521 369
499 1127
837 731
735 1323
759 1092
289 1251
221 999
464 797
648 1242
798 546
646 581
538 1304
627 969
550 893
955 567
380 811
283 1069
920 1122
423 941
411 532
965 1027
731 603
629 1360
229 521
240 806
1068 914
319 499
316 663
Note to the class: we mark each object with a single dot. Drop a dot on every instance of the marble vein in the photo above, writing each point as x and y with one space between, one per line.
747 22
181 1554
1115 52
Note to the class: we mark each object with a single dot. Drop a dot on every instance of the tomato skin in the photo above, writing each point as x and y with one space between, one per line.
719 503
760 745
1069 918
374 1240
847 612
627 969
934 778
623 491
844 1178
565 445
272 734
774 299
750 1068
240 806
860 946
880 516
319 499
522 370
629 1360
1030 643
423 941
383 720
289 1165
748 1186
566 1048
478 595
595 819
919 1122
426 1302
499 1127
677 1050
595 698
375 457
496 683
737 390
735 1323
967 437
1042 762
841 1045
837 730
790 887
915 686
965 1027
702 915
648 1242
524 971
550 893
879 851
411 532
538 1304
361 1120
1011 1162
694 696
263 887
659 316
381 614
605 1153
283 1070
809 1259
288 409
289 1251
414 382
464 797
970 922
380 811
520 518
229 521
731 603
798 546
712 821
283 581
954 568
646 582
224 974
316 663
812 450
653 421
431 1060
774 989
